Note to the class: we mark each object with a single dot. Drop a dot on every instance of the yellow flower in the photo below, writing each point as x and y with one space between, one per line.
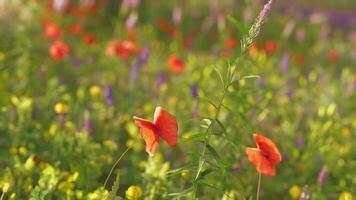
5 187
295 191
186 175
2 56
345 196
110 145
346 132
61 108
22 150
95 90
30 163
133 192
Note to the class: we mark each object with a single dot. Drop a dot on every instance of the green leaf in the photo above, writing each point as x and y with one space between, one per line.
220 76
213 152
238 25
250 77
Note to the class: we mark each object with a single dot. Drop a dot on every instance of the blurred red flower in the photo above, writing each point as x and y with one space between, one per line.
333 56
122 49
75 29
231 43
270 47
89 39
58 50
175 64
52 30
265 156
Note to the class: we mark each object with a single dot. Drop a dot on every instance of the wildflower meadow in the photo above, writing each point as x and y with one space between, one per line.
179 99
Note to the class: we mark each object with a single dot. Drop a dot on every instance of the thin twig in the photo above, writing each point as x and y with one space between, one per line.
116 163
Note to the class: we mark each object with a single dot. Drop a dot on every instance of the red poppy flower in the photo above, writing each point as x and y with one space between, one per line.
300 59
231 43
89 39
175 64
164 126
75 29
333 56
52 30
270 47
58 50
265 156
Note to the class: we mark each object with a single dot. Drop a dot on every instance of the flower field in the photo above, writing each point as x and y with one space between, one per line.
153 99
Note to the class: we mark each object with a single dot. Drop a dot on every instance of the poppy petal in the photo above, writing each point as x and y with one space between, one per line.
263 165
167 126
253 154
268 147
149 133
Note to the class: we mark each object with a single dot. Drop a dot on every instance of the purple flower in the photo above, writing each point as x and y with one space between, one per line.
299 141
141 60
108 95
59 5
284 64
194 90
235 169
131 20
195 110
161 79
177 14
265 11
322 176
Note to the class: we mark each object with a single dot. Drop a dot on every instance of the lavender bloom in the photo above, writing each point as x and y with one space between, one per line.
284 64
177 15
194 90
141 60
131 20
235 170
265 11
59 5
108 95
195 110
322 176
161 79
299 141
300 35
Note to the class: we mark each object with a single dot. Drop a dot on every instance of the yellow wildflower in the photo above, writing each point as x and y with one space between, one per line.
133 192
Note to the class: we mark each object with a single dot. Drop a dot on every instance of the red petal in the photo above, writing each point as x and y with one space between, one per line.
263 165
268 148
149 134
167 126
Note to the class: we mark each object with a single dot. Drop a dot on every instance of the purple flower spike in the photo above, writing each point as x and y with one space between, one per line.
284 64
108 95
322 176
161 79
265 11
194 90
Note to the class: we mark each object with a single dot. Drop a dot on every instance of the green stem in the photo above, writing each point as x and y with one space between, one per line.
258 186
2 196
114 166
